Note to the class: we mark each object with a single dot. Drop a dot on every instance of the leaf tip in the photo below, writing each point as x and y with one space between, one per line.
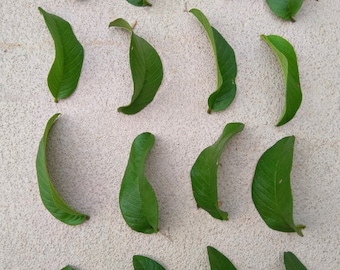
209 111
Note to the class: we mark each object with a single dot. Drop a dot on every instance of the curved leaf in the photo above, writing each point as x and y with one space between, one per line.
204 173
137 199
225 64
146 69
285 9
68 267
271 191
218 261
292 262
145 263
69 55
287 58
139 3
49 196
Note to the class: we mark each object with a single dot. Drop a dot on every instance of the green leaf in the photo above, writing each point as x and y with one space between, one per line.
69 55
271 191
287 58
225 64
204 173
285 9
292 262
49 196
218 261
145 263
146 69
68 267
139 3
137 199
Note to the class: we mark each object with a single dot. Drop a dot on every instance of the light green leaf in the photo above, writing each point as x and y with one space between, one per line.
218 261
145 263
287 58
146 69
225 64
271 190
69 55
285 9
204 173
68 267
137 199
292 262
139 3
49 196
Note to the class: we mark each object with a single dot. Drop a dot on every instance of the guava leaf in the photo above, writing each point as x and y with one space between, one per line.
146 69
139 3
69 55
292 262
204 173
225 65
137 199
68 267
271 190
287 58
49 196
218 261
285 9
145 263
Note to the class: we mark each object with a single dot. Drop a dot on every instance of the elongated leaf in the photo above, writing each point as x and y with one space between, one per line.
146 69
137 200
69 55
225 64
68 267
292 262
145 263
218 261
287 58
49 196
285 9
271 191
139 3
204 173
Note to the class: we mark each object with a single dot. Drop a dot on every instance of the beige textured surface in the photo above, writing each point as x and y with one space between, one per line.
89 145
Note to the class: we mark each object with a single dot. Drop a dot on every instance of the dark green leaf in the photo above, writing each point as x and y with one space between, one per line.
146 69
137 200
285 9
292 262
145 263
49 196
218 261
271 191
139 3
68 267
69 55
225 64
204 173
287 58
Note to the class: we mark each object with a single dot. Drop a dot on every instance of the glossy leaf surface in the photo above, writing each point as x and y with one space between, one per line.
137 199
285 53
145 263
146 69
292 262
139 3
204 173
271 190
69 55
225 64
285 9
49 196
218 261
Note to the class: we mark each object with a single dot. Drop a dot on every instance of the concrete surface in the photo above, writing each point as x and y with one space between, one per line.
89 146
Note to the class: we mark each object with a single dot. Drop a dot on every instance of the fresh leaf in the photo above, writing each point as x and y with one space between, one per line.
146 69
285 9
145 263
287 58
69 55
204 173
139 3
225 64
271 190
49 196
218 261
68 267
137 199
292 262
